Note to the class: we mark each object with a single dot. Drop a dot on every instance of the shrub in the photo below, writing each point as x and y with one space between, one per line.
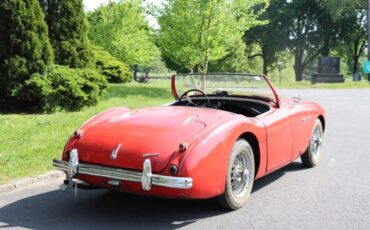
40 91
24 50
69 89
109 66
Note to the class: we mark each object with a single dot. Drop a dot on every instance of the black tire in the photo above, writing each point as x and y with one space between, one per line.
239 174
313 154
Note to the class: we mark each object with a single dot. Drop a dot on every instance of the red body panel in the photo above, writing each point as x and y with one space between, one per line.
149 130
283 134
288 131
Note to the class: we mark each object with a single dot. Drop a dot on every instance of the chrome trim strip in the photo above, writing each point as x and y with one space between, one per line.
151 155
128 175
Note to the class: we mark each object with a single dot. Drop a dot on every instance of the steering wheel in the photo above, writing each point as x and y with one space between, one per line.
185 95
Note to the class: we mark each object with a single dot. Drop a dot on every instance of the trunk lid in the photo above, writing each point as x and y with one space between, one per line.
155 131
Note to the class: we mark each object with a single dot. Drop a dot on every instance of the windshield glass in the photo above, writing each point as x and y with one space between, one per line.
242 85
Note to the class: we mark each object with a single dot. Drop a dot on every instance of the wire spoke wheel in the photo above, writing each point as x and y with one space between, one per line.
240 176
316 141
313 153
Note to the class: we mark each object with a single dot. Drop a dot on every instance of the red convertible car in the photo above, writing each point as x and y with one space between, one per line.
221 133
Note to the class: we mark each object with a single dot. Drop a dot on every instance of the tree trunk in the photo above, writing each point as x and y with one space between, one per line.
265 71
355 65
298 72
204 72
298 67
136 69
206 62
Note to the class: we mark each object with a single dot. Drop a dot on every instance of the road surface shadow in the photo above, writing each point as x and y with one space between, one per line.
266 180
100 209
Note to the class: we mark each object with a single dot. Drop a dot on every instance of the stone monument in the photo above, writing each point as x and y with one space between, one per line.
328 71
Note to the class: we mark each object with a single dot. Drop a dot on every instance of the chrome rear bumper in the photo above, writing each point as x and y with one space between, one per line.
146 178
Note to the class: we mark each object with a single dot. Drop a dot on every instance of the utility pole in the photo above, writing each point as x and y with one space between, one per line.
368 34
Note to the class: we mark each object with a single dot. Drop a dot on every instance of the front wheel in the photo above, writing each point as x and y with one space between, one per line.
240 176
313 154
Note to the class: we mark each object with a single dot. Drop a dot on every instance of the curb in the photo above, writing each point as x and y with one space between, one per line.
27 181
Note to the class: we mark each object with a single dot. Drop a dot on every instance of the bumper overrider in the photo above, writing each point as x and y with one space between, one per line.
146 177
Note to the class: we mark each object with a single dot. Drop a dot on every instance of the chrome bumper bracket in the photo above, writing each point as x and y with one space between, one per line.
146 178
73 164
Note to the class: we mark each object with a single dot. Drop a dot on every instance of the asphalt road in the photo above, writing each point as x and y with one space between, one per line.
334 195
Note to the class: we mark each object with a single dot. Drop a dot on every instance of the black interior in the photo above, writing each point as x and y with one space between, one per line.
249 108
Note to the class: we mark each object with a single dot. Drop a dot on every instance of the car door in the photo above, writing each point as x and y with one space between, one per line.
302 123
279 136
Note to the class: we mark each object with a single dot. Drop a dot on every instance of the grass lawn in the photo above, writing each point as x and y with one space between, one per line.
28 143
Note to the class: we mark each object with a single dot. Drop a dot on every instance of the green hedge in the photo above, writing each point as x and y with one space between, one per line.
66 88
109 66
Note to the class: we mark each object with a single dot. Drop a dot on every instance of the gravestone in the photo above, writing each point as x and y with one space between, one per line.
328 70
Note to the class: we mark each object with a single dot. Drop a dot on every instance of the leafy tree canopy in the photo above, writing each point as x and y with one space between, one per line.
338 6
121 29
352 35
193 33
269 37
236 60
310 32
109 66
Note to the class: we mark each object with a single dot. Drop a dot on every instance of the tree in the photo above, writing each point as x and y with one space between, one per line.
121 29
328 29
311 32
357 44
109 66
351 18
68 32
193 33
269 36
24 50
338 6
236 60
353 35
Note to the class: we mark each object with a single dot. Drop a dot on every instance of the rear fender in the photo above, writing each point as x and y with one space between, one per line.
206 161
91 122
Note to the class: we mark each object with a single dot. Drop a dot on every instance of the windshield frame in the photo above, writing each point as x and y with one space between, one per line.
276 103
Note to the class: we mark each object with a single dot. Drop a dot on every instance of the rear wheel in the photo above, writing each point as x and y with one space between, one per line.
240 176
313 154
